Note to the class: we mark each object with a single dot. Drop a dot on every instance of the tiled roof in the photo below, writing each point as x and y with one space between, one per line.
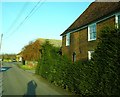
94 12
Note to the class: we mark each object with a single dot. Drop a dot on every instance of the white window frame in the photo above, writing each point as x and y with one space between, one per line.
89 33
67 39
116 19
90 54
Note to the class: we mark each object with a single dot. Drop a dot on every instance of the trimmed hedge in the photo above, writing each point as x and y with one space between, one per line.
106 59
100 76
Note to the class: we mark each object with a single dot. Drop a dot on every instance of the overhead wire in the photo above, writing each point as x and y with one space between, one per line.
17 18
9 30
37 8
34 9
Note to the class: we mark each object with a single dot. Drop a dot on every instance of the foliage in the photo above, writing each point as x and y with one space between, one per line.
106 59
31 51
62 72
26 67
100 76
52 65
8 57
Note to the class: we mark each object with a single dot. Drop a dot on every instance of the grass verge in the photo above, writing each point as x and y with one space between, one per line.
26 67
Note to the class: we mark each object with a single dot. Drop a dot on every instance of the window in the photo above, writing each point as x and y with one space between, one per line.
92 32
90 54
67 39
117 21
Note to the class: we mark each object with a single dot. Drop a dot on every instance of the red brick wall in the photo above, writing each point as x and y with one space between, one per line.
79 41
65 49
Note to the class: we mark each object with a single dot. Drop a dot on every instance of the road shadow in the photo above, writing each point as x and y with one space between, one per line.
31 89
3 69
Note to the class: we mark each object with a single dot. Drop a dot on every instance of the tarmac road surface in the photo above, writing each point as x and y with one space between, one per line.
19 82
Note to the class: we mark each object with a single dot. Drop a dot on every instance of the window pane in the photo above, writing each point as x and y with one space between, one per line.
93 32
91 35
94 35
94 29
68 39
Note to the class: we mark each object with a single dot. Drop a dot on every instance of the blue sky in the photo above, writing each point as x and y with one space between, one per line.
48 21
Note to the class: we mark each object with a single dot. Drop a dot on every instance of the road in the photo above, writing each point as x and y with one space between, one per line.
19 82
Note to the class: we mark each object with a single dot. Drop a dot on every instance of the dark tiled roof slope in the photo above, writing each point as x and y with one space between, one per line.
94 12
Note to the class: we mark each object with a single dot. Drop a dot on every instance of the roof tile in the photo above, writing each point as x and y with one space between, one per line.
94 12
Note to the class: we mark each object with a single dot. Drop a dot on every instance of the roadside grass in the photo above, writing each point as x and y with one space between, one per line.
26 67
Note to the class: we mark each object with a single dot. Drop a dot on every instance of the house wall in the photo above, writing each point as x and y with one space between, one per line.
79 41
65 49
73 47
107 22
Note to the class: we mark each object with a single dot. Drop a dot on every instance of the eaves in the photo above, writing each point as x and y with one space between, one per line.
96 21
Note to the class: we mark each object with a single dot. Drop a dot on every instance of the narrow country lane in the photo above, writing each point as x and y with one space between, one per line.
19 82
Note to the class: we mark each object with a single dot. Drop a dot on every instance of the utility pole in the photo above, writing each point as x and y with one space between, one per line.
1 50
1 41
1 76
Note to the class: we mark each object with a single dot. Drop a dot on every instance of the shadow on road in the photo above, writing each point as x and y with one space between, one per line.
31 89
3 69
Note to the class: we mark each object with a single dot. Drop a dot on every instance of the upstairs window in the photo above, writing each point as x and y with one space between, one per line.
92 32
67 39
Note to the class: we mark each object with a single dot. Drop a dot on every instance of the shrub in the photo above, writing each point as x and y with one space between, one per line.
100 76
106 59
75 77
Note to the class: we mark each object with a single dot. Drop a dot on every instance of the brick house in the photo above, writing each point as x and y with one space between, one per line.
80 39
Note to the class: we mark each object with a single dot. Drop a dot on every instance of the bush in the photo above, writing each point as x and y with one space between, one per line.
106 59
100 76
56 68
75 77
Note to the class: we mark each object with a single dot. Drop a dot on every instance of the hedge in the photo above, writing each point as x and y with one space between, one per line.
100 76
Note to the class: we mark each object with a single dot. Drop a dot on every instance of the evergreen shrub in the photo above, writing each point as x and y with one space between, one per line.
100 76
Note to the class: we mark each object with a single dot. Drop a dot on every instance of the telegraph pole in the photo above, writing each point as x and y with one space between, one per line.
1 77
1 50
1 41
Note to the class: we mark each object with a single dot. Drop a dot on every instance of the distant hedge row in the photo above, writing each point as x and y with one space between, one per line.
100 76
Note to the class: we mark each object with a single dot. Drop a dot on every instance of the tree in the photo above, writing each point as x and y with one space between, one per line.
31 51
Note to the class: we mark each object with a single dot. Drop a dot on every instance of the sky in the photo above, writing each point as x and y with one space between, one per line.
23 22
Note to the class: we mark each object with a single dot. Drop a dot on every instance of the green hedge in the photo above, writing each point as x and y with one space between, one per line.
100 76
55 68
106 59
